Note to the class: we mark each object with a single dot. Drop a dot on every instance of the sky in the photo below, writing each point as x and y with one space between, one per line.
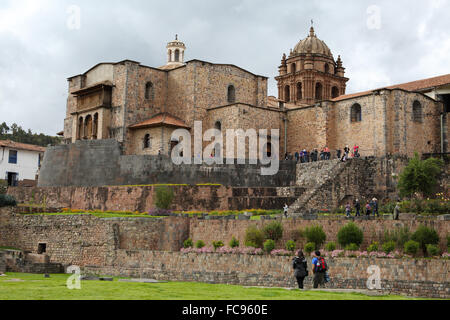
43 42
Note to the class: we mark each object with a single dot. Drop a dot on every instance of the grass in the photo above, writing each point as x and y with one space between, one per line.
36 287
103 215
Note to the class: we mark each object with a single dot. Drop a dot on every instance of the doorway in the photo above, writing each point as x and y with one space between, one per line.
12 179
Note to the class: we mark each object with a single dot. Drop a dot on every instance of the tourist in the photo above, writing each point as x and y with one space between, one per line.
368 209
286 157
297 157
305 153
356 151
301 268
397 211
286 209
346 152
319 269
347 210
358 208
339 153
327 152
374 205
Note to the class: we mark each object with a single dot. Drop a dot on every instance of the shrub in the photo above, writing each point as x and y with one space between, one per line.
269 246
199 244
273 231
352 247
163 197
433 250
290 245
425 236
7 201
254 237
448 242
188 243
374 247
234 243
400 236
310 247
411 247
316 234
350 234
331 246
217 244
388 247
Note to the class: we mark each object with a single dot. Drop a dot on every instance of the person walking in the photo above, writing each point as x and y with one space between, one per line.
339 153
375 207
300 268
397 211
368 209
319 269
286 209
358 208
348 210
346 153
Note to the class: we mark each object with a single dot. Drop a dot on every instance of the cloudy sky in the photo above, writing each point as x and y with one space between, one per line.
43 42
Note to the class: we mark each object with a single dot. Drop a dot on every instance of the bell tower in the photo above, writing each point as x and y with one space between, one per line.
175 53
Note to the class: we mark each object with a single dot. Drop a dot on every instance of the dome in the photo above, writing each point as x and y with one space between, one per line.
312 45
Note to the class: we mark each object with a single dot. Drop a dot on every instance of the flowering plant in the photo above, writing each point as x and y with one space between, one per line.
282 253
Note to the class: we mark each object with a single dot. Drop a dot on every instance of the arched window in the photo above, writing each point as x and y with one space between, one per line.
319 89
95 127
327 68
231 96
417 112
293 67
356 113
334 92
149 92
177 55
299 91
287 94
170 56
88 127
80 129
147 141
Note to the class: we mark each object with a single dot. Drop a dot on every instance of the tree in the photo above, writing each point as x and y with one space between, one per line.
420 176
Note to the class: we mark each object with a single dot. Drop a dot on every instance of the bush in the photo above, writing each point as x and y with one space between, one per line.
254 237
234 243
389 247
163 197
290 245
269 246
400 236
188 243
352 247
331 246
316 234
425 236
374 247
350 234
273 231
199 244
310 247
448 243
217 244
7 201
433 250
411 247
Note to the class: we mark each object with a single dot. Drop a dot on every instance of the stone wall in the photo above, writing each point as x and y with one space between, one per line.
422 278
101 163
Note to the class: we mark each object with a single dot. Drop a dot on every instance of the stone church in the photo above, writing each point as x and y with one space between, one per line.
140 106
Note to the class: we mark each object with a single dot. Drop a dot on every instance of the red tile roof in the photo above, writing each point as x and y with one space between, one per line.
21 146
419 85
162 119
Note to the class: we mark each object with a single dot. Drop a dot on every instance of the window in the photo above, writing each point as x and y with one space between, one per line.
319 89
299 91
13 156
231 94
334 92
417 112
327 68
80 129
149 92
293 67
42 248
356 113
287 94
177 55
147 141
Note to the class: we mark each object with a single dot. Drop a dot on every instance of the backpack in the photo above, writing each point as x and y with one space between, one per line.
322 265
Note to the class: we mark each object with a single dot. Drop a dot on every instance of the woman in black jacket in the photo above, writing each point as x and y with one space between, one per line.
301 268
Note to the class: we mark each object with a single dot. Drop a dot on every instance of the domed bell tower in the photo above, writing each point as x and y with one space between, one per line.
175 53
310 74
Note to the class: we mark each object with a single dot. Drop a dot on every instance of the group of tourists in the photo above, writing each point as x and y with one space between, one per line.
305 156
370 208
319 269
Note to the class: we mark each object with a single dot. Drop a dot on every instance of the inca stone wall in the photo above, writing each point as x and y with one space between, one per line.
423 278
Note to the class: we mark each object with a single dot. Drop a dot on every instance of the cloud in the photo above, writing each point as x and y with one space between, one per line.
39 52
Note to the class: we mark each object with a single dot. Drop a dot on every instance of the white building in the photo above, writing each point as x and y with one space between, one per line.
19 162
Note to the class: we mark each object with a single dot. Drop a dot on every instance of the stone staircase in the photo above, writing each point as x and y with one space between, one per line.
264 198
316 178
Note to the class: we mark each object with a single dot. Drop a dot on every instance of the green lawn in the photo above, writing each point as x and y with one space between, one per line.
36 287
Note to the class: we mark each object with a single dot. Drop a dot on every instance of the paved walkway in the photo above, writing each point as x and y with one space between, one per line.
361 291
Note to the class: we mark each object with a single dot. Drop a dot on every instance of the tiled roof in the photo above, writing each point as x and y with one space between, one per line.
162 119
93 87
20 146
419 85
273 102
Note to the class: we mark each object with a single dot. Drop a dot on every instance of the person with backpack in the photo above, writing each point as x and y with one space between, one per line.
300 266
368 209
358 208
319 269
